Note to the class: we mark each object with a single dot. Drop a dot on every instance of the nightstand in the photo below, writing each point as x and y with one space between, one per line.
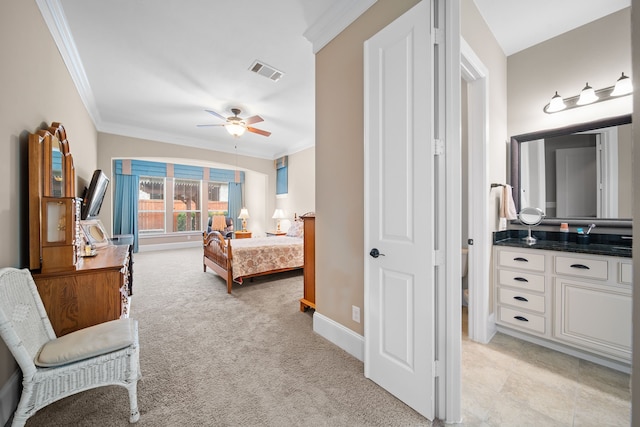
276 233
242 234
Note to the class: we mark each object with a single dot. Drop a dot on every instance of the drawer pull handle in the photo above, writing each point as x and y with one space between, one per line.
580 266
521 259
520 318
521 279
521 299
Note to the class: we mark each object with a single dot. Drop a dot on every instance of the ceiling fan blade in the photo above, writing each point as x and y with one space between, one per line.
216 114
258 131
202 126
253 119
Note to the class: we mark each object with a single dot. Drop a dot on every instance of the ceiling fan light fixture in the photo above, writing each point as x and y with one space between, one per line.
235 129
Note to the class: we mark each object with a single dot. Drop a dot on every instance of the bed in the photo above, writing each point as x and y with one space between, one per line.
237 259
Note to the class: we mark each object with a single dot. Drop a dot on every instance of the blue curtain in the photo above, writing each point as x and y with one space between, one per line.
235 202
125 207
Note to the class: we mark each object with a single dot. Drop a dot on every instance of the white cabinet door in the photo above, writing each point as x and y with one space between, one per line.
594 317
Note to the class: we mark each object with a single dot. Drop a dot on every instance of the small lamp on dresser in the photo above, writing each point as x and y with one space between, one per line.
244 215
278 214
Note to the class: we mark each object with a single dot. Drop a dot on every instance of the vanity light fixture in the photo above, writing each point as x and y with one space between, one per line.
556 104
589 96
623 86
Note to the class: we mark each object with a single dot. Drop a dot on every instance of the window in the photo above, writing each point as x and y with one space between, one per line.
282 181
217 199
282 175
186 205
151 207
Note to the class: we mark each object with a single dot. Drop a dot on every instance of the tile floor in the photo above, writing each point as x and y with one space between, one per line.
510 382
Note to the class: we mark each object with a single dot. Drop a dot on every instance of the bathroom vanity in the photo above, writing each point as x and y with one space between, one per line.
570 297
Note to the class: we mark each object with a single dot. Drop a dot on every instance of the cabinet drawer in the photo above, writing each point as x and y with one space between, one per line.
522 260
582 267
626 273
517 279
528 321
519 299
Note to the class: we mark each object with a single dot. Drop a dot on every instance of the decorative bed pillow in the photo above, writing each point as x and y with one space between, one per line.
296 229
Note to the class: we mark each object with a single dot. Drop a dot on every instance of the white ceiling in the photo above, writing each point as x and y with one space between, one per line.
519 24
149 68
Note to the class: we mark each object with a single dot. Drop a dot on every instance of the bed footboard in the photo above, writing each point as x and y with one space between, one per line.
217 256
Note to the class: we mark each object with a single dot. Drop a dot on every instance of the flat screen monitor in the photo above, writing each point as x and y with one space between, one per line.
94 195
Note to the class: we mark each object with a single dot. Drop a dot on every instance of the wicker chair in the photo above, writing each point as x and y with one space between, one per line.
54 368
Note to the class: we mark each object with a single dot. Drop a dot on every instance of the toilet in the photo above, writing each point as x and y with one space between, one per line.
464 269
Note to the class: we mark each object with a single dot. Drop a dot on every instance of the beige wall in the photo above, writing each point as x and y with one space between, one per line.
36 90
340 165
476 33
596 53
302 184
340 158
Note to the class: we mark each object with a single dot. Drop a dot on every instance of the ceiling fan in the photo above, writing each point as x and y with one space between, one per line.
236 126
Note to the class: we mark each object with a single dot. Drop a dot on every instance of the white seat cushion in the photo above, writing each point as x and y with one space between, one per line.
89 342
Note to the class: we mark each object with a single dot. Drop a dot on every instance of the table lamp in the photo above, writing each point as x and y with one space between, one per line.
278 214
244 214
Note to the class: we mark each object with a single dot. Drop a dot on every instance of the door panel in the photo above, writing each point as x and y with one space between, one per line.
399 209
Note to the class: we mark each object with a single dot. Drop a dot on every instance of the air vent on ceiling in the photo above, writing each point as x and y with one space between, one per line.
266 71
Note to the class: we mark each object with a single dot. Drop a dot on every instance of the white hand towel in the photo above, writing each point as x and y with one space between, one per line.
507 206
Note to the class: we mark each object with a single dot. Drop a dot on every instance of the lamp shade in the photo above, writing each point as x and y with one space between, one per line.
587 96
244 214
623 86
556 104
278 214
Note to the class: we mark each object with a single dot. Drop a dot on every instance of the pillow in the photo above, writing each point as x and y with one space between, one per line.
89 342
296 229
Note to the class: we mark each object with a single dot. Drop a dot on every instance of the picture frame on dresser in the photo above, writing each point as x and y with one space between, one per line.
94 233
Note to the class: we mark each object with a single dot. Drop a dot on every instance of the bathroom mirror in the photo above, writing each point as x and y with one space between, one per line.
580 173
530 217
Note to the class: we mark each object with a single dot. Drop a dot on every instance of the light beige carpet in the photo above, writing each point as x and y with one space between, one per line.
246 359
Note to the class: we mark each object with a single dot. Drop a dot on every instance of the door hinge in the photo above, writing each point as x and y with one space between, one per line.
437 368
438 258
438 147
437 36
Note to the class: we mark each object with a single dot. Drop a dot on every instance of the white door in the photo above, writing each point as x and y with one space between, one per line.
576 182
399 210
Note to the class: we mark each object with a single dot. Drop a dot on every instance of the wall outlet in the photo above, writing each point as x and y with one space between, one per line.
355 313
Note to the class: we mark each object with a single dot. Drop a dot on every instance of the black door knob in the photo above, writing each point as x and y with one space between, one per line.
375 253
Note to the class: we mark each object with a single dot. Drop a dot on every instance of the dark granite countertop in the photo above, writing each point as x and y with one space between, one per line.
599 244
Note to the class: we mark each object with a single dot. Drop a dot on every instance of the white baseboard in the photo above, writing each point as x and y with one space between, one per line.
339 335
167 246
9 397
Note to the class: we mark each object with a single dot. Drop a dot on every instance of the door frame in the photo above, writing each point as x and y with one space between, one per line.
481 321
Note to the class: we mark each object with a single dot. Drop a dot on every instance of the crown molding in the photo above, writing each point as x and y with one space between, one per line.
56 21
334 20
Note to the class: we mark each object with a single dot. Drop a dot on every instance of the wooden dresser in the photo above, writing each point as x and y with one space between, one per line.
309 298
96 291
